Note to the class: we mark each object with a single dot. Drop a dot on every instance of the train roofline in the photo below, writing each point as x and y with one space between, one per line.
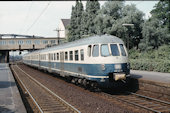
84 41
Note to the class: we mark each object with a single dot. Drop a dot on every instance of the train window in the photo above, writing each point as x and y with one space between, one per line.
71 55
105 50
89 50
95 50
54 56
76 55
114 49
123 53
57 56
51 56
48 56
82 54
66 56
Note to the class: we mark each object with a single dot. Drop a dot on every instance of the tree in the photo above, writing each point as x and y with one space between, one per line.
132 15
109 13
154 35
72 26
156 29
162 12
91 12
75 29
111 17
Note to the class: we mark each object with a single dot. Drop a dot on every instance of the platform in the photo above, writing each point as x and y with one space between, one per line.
10 99
151 76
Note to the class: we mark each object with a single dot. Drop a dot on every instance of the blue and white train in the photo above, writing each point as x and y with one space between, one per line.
101 60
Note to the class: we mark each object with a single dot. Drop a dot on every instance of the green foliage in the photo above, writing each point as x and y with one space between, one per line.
82 22
91 11
75 29
152 60
154 35
161 12
155 30
111 17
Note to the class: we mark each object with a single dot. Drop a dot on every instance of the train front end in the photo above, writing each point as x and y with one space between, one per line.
114 64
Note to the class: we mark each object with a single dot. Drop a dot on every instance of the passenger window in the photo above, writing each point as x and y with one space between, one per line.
89 50
95 50
114 49
105 50
57 56
123 53
71 55
54 56
51 56
66 56
82 54
76 55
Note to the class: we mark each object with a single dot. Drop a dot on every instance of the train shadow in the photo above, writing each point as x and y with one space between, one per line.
131 86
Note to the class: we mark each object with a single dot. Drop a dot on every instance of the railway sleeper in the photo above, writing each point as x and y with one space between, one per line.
165 110
160 107
153 105
55 111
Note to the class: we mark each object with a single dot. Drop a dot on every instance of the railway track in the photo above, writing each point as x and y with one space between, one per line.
145 102
44 99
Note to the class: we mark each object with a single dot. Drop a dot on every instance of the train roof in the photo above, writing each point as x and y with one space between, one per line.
85 41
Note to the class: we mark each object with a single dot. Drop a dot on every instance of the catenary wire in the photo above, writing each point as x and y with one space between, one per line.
38 17
26 17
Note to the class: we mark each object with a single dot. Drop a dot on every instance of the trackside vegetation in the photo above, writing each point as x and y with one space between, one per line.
151 60
148 40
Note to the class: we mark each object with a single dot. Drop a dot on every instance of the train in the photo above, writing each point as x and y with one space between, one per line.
100 60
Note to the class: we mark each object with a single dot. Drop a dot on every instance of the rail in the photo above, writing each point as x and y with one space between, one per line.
69 106
142 102
28 92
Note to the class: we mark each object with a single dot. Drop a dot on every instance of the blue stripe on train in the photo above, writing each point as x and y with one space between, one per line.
88 69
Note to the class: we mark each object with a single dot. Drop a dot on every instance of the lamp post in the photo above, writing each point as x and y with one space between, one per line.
129 35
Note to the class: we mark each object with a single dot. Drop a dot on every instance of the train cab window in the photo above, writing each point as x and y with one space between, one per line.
114 49
123 53
71 55
57 56
89 50
105 50
66 56
76 55
82 54
95 51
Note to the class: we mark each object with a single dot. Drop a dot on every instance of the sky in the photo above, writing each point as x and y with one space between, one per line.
41 18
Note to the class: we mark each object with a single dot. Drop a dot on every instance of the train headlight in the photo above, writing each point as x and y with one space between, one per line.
118 66
103 66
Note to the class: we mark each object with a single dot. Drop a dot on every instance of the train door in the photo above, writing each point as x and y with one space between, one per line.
39 61
62 63
49 62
